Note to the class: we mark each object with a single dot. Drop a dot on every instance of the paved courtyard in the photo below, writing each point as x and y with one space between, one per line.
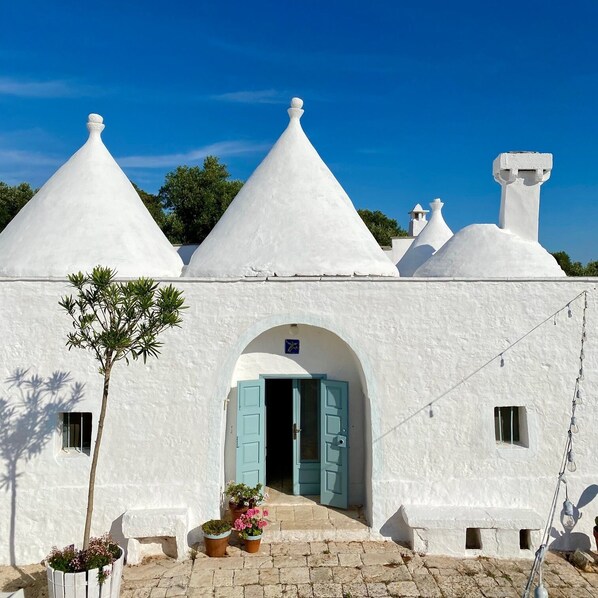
329 570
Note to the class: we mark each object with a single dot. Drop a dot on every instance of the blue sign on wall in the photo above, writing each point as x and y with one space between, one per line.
291 346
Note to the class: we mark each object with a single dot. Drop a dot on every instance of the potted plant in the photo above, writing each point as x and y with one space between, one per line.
596 532
250 526
242 497
93 572
215 534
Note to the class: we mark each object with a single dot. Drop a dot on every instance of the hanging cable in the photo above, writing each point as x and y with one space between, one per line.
567 462
498 356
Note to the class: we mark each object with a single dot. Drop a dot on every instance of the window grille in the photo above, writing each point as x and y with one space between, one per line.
76 432
510 425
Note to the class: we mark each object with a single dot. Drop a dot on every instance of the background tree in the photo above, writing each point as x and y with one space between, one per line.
381 226
116 321
197 198
591 269
153 203
570 268
12 199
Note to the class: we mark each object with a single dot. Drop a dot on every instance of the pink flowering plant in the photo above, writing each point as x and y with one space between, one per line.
251 523
100 552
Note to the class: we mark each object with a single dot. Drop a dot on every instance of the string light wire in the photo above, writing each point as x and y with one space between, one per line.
567 462
497 356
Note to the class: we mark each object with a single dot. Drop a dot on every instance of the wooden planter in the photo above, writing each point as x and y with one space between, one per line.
216 545
73 585
252 543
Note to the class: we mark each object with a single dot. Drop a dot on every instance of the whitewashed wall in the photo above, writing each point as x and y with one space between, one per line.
414 341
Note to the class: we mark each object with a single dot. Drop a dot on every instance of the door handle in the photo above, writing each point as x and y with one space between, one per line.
296 430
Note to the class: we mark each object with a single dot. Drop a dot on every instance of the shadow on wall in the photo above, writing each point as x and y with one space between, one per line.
396 528
29 414
569 540
415 258
116 531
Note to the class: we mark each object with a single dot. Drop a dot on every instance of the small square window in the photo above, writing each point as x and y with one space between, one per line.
473 538
510 426
525 539
76 432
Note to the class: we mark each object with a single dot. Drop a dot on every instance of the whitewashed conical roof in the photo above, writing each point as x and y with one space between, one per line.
434 235
87 214
291 218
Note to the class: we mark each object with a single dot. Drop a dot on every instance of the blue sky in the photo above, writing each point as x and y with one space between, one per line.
405 102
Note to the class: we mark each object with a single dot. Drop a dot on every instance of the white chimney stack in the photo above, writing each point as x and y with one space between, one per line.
520 175
418 221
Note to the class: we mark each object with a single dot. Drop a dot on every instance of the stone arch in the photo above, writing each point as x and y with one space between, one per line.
329 350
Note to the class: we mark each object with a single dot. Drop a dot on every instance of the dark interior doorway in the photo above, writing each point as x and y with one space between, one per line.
279 434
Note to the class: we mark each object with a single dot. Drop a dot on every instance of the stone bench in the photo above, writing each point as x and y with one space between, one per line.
473 531
146 527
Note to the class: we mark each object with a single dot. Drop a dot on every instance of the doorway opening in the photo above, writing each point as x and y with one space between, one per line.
293 435
279 441
317 432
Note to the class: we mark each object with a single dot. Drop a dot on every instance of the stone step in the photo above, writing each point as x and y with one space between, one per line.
317 534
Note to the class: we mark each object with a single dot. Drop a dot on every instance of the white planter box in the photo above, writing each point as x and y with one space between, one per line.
85 584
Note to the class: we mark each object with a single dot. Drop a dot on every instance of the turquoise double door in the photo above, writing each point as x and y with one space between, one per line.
318 433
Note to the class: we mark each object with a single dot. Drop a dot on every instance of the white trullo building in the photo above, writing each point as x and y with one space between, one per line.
441 402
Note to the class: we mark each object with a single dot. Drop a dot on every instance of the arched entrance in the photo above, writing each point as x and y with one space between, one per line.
297 419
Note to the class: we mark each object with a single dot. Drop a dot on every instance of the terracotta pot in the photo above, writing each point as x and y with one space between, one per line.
596 536
235 512
252 543
216 545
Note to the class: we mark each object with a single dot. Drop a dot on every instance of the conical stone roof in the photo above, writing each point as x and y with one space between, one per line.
434 235
87 214
291 218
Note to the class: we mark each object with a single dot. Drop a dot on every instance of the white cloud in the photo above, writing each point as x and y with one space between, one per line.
221 149
10 86
23 157
262 96
17 166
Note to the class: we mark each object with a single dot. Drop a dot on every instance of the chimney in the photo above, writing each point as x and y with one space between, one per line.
520 175
417 221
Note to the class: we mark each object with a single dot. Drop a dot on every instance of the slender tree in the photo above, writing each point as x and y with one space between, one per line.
116 321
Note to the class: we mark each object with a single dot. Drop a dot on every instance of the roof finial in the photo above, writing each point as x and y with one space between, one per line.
436 204
295 111
95 124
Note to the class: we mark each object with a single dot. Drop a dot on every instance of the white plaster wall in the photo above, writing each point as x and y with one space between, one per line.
399 248
415 340
321 352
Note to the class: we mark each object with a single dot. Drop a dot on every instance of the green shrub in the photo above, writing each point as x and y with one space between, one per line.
215 527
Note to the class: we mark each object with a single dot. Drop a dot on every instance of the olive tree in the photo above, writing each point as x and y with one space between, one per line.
117 321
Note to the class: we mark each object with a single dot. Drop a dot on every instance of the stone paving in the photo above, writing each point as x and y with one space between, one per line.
348 570
329 570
